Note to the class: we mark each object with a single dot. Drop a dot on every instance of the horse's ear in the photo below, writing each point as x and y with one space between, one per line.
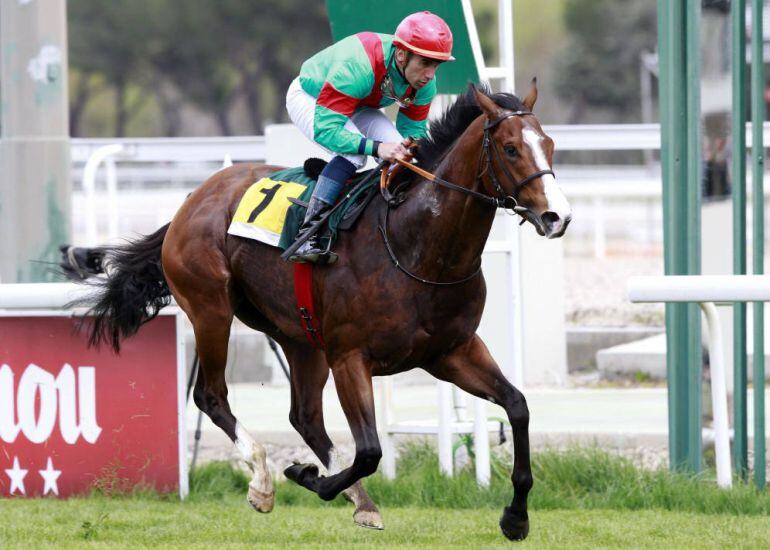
489 107
529 101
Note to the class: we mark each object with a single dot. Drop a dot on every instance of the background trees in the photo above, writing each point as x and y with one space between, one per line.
202 67
157 62
598 67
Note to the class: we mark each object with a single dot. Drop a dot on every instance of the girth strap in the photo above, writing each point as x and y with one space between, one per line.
303 292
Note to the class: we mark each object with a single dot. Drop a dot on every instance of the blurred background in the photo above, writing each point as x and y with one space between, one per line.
176 87
173 68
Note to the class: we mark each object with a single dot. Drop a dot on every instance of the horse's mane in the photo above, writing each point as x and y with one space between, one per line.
446 129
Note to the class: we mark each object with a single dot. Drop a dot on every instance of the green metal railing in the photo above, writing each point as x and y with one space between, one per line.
740 360
680 159
679 55
758 233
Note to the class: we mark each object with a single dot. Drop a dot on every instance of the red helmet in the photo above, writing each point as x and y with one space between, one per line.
425 34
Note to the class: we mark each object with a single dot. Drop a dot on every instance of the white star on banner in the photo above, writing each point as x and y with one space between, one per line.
16 475
50 476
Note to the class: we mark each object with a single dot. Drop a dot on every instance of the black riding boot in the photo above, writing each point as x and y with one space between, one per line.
311 250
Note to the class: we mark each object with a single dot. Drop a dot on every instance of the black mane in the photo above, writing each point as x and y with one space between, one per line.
445 130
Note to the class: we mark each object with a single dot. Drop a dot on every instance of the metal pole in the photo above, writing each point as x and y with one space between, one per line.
35 187
738 17
693 201
679 130
758 234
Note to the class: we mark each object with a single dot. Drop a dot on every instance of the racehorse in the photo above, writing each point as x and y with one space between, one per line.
406 292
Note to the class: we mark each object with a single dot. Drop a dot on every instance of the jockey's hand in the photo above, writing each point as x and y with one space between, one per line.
393 151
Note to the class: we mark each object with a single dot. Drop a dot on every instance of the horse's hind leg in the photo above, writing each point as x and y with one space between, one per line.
471 368
210 396
208 306
309 373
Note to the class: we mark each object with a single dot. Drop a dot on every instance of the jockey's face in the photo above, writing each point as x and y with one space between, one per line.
417 69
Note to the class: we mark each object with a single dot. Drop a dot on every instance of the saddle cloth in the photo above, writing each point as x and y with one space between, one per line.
266 214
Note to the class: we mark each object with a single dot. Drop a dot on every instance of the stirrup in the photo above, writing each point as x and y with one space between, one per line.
315 254
321 258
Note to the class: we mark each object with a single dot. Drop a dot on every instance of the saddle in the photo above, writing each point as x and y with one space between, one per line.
342 220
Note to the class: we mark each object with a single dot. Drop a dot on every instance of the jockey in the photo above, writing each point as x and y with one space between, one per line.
336 102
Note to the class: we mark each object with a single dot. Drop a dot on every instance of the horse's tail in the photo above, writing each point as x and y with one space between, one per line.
133 292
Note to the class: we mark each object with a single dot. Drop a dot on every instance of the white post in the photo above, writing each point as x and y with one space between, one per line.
460 404
181 375
718 396
481 442
706 290
112 199
89 187
445 458
388 447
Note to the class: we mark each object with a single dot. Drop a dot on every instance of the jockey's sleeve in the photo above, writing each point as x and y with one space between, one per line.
413 120
346 85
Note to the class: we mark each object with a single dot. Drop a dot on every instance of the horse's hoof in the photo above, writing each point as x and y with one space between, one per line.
514 526
261 501
305 475
370 519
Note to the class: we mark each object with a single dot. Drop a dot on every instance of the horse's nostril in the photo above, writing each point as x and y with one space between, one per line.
549 219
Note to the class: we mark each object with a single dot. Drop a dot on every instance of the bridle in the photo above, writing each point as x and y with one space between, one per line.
502 200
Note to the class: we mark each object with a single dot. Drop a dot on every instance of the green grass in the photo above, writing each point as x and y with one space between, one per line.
583 478
230 523
584 498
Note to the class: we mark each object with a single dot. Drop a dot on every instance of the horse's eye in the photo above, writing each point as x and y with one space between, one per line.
510 150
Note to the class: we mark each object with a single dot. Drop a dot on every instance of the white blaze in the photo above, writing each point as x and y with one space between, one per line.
557 202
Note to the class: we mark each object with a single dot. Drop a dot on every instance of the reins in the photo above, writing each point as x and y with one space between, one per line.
508 202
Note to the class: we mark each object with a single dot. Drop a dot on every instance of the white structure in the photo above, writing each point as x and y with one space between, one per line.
706 290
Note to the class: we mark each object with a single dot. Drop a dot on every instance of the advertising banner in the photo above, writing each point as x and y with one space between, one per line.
73 419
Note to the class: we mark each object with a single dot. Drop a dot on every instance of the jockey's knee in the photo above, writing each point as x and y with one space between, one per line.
358 161
332 179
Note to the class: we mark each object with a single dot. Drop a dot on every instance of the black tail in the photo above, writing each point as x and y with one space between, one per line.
133 292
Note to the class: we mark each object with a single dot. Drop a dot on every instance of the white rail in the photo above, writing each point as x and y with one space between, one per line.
443 428
211 149
707 290
41 295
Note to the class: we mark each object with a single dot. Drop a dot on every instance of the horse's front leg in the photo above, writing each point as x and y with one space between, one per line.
353 379
471 368
309 373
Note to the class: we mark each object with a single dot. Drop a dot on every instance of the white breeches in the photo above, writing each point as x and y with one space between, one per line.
368 122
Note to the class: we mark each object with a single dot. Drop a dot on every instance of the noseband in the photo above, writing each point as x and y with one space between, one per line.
502 200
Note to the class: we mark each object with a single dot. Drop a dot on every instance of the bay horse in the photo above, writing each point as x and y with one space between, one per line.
406 292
